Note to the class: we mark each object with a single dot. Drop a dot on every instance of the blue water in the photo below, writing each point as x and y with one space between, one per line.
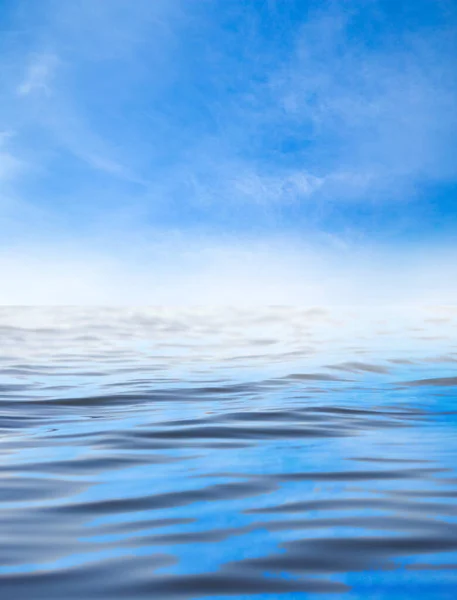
277 453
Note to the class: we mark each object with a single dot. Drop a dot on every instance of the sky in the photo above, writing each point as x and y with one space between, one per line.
228 151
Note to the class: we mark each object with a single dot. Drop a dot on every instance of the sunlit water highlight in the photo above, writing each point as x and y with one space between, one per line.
293 453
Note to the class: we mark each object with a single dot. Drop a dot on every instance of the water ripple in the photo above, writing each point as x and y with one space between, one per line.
207 454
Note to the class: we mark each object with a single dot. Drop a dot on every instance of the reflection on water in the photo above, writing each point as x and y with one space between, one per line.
283 452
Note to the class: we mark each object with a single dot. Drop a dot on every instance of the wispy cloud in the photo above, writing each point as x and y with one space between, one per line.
38 75
276 188
335 115
370 115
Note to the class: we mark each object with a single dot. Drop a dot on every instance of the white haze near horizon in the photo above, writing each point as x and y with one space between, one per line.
239 272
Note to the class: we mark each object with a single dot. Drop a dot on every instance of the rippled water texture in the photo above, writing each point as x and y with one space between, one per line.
293 453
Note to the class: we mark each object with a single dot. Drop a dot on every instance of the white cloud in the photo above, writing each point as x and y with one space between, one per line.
267 189
38 75
378 120
366 122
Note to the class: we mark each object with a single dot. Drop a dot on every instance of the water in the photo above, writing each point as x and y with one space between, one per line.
277 453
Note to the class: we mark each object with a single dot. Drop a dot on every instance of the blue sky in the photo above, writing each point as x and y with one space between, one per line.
290 142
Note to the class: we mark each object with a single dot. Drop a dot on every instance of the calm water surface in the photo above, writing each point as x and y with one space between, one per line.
277 453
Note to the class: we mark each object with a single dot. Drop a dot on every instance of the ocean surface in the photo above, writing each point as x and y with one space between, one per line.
213 453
